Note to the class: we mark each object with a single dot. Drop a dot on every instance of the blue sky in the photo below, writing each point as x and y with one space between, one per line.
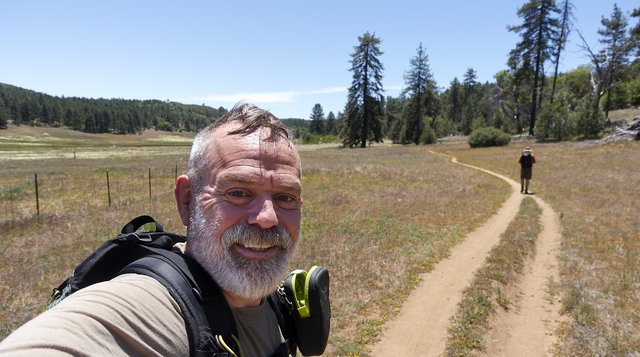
284 56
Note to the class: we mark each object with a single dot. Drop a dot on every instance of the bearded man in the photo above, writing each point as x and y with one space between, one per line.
241 202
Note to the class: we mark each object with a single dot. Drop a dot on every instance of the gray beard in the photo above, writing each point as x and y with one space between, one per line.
246 278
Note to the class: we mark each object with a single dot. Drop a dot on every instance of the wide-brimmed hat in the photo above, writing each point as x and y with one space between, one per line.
527 149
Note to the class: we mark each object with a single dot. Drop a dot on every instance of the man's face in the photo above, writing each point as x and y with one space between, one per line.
246 221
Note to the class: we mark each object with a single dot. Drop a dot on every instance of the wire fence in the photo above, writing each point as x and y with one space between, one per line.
24 196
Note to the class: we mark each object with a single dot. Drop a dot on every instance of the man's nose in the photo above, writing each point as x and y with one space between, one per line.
264 213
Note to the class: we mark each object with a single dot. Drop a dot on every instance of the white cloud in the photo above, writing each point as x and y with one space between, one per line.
263 97
328 90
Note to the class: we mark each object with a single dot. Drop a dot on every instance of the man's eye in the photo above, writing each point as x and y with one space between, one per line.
238 196
286 201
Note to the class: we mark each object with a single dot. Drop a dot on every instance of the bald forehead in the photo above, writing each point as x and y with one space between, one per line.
259 145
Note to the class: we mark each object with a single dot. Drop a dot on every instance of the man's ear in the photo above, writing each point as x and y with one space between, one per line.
183 195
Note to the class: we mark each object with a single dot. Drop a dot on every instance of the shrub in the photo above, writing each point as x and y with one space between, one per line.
589 122
554 123
428 136
444 127
164 125
314 138
484 137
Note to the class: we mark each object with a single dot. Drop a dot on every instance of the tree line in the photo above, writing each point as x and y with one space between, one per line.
118 116
530 96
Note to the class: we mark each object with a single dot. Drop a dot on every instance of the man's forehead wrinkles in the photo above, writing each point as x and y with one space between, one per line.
239 177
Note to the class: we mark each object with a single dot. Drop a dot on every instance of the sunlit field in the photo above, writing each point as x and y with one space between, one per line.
593 187
376 217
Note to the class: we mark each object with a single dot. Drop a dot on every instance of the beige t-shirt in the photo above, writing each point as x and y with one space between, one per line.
131 315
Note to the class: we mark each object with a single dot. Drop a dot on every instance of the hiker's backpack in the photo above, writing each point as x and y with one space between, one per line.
209 321
526 160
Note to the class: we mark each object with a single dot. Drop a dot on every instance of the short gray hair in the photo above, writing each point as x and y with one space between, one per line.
251 119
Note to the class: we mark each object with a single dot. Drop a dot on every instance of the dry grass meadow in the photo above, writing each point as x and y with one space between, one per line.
377 218
594 189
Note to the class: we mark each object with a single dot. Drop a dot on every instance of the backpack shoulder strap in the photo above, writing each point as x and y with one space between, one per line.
283 309
209 321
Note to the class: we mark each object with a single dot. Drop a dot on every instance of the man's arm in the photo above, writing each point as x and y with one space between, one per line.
129 315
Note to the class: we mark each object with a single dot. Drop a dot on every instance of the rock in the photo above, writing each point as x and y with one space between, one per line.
635 124
629 131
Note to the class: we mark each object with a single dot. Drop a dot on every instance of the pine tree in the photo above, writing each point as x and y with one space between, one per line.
330 127
364 104
606 62
317 120
617 46
4 112
455 101
635 33
565 28
469 103
538 30
421 94
393 124
4 117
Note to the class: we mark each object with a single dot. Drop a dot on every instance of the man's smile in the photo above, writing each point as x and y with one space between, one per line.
257 251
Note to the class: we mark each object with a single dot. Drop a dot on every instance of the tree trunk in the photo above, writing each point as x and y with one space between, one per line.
365 102
607 105
416 130
536 76
560 44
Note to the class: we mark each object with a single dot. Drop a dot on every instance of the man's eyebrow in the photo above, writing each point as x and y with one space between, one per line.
234 178
237 178
291 185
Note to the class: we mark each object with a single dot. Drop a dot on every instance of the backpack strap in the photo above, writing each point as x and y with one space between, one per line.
204 307
283 309
140 221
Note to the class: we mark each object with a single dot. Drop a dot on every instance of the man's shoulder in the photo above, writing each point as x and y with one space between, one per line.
130 314
130 288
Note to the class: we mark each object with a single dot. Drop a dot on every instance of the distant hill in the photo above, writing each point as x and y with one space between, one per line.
119 116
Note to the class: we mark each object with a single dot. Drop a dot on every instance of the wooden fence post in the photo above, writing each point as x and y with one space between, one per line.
149 183
108 189
37 196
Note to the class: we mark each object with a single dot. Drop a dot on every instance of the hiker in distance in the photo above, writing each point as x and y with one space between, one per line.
241 202
526 169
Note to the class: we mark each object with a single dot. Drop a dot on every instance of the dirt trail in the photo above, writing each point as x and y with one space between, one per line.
420 329
530 331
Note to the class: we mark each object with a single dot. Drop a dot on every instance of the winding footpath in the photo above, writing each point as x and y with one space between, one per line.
420 328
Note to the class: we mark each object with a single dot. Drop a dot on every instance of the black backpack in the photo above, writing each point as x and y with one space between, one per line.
526 161
209 321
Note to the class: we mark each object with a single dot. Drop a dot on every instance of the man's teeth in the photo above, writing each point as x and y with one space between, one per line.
257 246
